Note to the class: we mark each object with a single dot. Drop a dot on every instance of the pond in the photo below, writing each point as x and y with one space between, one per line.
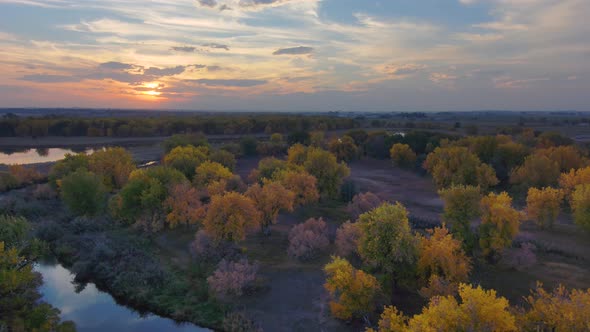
40 155
96 311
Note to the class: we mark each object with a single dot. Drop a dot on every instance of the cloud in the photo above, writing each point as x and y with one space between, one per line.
294 51
153 71
48 78
241 83
216 46
207 3
506 82
402 70
187 49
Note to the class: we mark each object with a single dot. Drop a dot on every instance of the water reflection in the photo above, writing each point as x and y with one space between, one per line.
39 155
93 310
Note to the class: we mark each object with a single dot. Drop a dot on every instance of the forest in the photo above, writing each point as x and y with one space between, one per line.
325 224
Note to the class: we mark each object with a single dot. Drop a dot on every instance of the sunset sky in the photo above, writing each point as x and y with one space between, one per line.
308 55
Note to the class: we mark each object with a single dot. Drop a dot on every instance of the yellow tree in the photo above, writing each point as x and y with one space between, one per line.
402 155
560 310
270 199
461 207
391 320
230 217
543 205
352 291
454 165
301 183
442 263
537 171
569 181
580 204
499 223
186 159
329 173
297 154
113 164
184 206
567 157
344 148
209 172
479 310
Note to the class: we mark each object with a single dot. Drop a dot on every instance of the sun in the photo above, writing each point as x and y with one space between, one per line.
151 89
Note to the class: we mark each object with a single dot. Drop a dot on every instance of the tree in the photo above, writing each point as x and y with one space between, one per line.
230 216
391 320
70 164
270 199
344 148
308 239
231 279
499 223
267 167
569 181
457 166
210 172
543 205
143 196
224 158
402 155
83 192
566 157
326 169
184 206
479 310
248 146
361 203
352 291
560 310
441 262
537 171
186 159
508 156
301 183
24 175
461 207
387 241
347 239
297 154
113 164
195 140
580 204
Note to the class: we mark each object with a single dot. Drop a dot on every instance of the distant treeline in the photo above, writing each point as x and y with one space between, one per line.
12 125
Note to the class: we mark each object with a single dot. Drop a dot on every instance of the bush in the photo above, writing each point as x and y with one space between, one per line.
44 192
362 203
24 175
70 164
83 192
237 322
307 240
7 181
205 248
347 239
232 279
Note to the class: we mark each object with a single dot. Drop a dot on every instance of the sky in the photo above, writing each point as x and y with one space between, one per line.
296 55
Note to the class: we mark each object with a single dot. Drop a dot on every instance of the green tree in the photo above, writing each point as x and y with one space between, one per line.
70 164
461 208
83 192
387 241
329 173
113 164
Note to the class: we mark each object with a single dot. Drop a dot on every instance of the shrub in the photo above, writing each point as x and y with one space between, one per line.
347 239
306 240
7 181
70 164
237 322
205 248
83 192
362 203
232 279
44 192
24 175
224 158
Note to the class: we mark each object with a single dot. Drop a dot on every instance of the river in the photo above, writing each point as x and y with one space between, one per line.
96 311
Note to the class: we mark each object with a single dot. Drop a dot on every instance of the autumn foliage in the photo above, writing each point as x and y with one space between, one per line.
500 223
347 239
230 216
402 155
184 206
580 204
308 239
301 183
352 291
231 279
441 262
363 202
270 199
543 205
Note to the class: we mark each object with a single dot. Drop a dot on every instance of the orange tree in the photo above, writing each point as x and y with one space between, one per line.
352 291
270 199
230 217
